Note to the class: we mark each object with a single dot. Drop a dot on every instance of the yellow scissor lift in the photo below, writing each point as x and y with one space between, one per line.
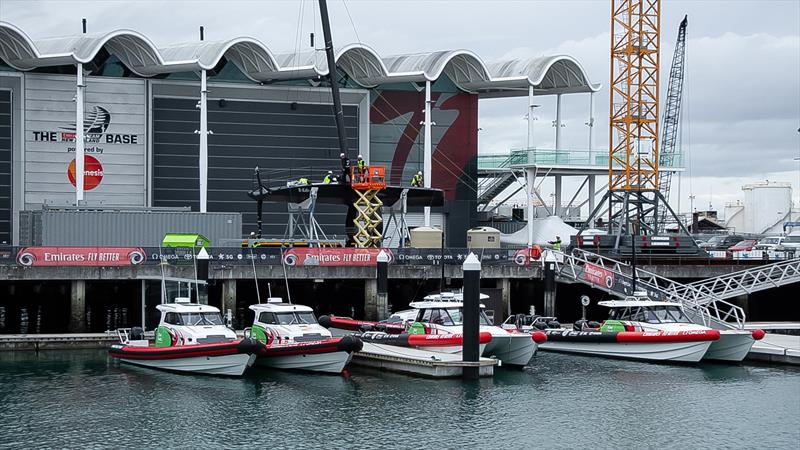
367 182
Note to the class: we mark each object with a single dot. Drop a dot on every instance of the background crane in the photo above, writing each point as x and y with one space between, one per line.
672 112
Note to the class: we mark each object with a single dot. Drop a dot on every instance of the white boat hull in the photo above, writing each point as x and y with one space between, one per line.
733 345
511 349
230 365
651 351
331 362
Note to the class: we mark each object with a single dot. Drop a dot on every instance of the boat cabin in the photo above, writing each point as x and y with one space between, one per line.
446 309
286 321
185 323
646 311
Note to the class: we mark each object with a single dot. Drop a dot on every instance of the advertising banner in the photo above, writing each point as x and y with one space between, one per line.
333 256
598 276
80 256
114 141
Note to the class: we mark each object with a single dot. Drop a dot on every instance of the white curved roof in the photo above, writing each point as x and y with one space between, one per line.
548 75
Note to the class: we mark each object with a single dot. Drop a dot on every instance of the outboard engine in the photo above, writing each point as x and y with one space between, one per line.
137 334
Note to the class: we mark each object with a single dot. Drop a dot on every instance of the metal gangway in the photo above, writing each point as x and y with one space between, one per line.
745 281
612 276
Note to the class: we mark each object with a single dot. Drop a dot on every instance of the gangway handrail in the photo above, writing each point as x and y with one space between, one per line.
711 309
750 280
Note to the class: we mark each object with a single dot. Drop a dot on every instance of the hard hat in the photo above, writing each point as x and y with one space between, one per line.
419 173
341 155
360 156
330 171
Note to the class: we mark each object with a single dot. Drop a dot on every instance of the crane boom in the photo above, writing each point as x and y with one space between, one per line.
672 112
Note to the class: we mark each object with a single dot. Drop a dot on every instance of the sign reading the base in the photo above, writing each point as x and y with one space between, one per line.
333 256
80 256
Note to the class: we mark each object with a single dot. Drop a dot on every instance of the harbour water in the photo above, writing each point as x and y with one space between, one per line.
83 399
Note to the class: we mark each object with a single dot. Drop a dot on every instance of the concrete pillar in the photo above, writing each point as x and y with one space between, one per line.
557 206
505 285
591 195
229 298
79 138
77 309
427 156
371 300
530 181
549 285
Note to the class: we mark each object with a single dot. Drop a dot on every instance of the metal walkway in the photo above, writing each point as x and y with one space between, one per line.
746 281
700 300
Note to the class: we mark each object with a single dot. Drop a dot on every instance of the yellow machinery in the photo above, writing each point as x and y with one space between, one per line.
367 181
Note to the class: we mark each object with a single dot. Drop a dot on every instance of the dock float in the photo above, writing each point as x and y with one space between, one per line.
66 341
420 363
776 348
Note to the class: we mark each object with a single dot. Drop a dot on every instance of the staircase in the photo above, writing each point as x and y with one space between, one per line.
745 281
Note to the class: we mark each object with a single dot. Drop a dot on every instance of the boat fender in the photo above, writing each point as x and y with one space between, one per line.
325 321
539 337
137 334
758 334
351 344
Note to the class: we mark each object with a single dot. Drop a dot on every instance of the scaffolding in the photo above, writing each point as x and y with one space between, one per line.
367 182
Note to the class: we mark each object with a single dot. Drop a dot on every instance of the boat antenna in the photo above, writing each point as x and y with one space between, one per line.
442 280
332 77
161 264
269 289
286 278
196 282
255 276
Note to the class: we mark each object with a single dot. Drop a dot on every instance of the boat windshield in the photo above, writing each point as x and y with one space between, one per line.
195 318
650 314
289 318
448 316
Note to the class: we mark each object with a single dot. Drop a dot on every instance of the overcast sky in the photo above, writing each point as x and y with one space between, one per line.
742 91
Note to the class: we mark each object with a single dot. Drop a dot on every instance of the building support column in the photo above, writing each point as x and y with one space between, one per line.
203 106
557 206
505 285
229 298
591 196
427 149
558 121
590 124
79 137
549 284
530 188
371 299
77 307
531 119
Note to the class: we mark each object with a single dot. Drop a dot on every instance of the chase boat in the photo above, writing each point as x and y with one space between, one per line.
190 338
637 328
443 314
294 339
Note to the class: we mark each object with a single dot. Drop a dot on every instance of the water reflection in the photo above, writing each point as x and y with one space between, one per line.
557 400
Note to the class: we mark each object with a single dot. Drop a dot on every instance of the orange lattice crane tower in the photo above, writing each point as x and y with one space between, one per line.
633 158
633 199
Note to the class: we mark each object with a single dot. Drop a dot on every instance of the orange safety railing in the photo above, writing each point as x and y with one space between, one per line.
370 177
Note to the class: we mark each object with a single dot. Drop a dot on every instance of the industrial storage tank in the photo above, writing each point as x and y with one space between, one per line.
483 237
426 237
766 206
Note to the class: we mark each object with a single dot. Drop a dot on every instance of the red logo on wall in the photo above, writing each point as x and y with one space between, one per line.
92 172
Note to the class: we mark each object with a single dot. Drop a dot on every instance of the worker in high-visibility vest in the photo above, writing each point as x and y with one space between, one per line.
416 180
303 180
556 244
361 168
327 179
